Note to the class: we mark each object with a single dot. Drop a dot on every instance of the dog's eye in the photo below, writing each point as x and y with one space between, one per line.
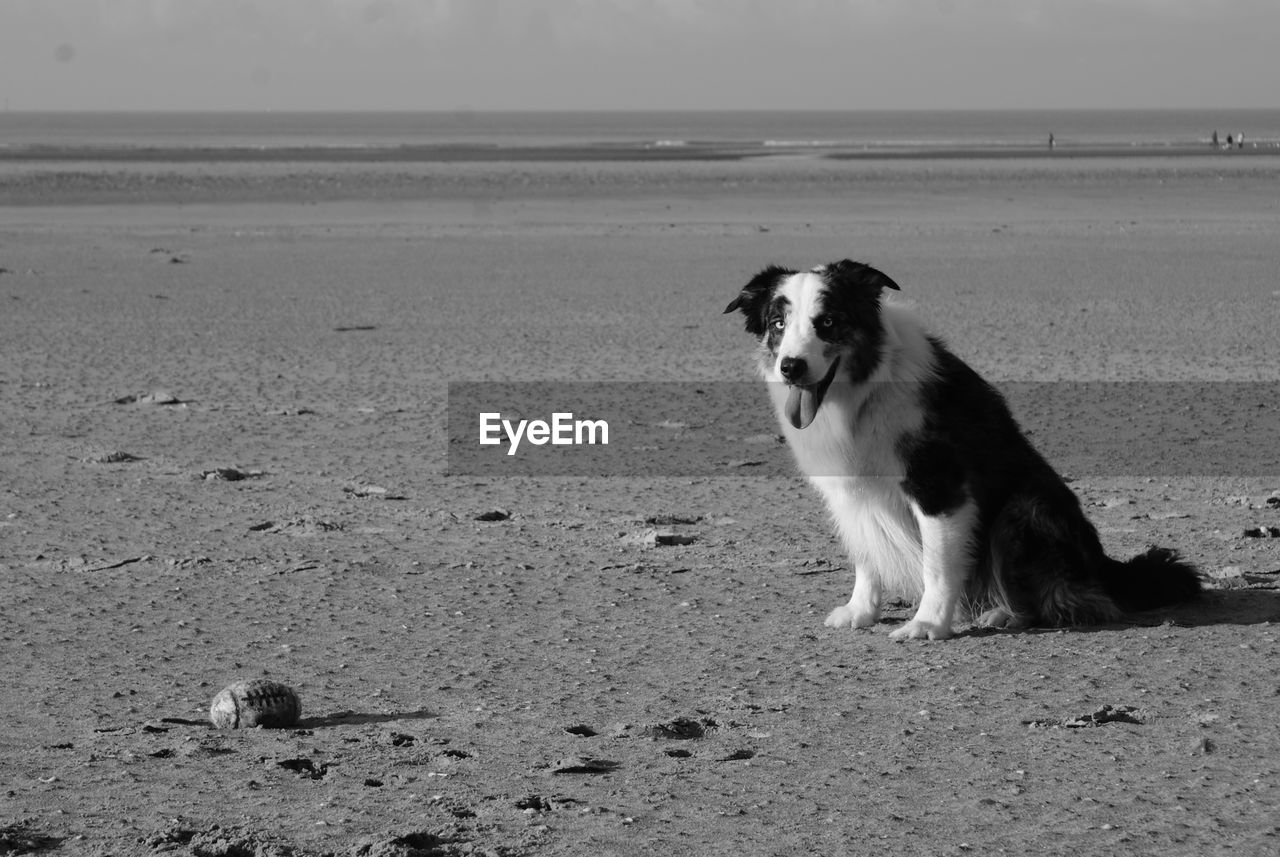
825 322
778 323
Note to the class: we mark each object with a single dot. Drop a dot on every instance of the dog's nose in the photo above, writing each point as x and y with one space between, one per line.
793 368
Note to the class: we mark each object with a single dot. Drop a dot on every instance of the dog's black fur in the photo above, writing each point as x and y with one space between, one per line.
1033 540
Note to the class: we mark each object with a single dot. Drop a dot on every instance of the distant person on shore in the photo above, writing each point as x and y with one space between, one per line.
1240 140
1215 139
1230 141
1051 141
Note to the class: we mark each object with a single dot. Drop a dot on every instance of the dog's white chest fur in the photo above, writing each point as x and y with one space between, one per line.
878 529
850 454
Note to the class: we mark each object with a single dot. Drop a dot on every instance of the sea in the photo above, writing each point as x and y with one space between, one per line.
463 134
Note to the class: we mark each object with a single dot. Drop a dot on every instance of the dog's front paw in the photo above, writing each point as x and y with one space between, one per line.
918 629
846 616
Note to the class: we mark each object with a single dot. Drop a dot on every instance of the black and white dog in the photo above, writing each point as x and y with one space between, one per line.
936 494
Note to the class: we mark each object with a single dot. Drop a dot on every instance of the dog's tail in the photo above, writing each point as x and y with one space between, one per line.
1153 579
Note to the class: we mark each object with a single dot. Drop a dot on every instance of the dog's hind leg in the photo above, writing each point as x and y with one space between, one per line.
1006 606
1002 617
1045 559
947 540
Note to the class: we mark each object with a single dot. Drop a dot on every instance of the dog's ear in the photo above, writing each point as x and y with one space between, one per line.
753 300
848 273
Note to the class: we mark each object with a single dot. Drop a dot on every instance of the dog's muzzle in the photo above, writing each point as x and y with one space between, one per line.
803 400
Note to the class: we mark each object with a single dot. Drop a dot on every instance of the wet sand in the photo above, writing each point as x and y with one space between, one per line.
308 318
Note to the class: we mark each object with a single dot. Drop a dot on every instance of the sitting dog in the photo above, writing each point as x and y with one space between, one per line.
935 491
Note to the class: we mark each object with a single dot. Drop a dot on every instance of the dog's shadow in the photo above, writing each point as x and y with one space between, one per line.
1222 607
1214 607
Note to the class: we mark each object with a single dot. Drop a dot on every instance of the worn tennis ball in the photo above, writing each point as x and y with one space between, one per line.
256 702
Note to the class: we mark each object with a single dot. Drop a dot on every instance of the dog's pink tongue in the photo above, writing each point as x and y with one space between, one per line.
802 406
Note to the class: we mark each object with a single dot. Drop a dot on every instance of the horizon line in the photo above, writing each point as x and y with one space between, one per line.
465 110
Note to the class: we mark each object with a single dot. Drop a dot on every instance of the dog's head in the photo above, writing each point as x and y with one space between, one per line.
814 325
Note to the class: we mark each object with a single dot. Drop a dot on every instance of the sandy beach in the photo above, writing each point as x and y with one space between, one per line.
223 455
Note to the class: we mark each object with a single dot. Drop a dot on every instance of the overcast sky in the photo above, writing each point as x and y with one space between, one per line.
637 54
